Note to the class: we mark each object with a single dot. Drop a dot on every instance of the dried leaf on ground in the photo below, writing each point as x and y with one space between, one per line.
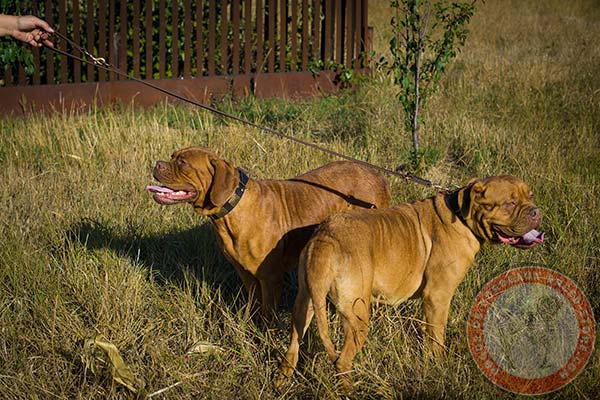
120 371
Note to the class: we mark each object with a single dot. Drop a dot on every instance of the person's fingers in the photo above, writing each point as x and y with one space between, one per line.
30 38
46 42
45 39
44 25
35 37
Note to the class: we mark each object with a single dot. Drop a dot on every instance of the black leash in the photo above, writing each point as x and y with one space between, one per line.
103 64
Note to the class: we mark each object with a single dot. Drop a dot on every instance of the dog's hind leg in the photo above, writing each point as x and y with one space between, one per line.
320 275
303 313
355 317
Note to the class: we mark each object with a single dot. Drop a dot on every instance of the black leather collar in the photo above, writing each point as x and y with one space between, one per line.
451 200
235 197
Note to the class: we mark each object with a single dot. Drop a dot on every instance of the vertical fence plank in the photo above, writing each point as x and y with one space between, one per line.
358 33
247 36
199 38
282 34
136 38
328 30
271 35
339 32
36 53
112 53
77 40
162 41
187 38
235 52
350 29
260 36
22 75
224 43
175 39
317 44
148 38
102 36
62 28
123 33
364 28
304 35
8 79
294 36
212 11
37 64
90 22
49 17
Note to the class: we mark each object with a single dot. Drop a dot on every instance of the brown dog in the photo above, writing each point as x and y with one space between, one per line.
387 256
262 225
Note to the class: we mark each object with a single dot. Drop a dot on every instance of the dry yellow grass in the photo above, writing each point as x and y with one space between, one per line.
86 253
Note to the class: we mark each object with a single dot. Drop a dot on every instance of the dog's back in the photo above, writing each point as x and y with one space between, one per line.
359 185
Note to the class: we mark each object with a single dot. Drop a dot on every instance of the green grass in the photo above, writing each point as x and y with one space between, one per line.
85 251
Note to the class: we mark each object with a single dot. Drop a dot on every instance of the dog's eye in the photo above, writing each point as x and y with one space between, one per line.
182 162
530 195
510 204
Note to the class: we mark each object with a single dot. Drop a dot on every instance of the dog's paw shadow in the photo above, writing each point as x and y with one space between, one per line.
172 254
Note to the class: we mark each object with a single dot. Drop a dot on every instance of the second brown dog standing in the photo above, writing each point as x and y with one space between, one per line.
420 249
262 225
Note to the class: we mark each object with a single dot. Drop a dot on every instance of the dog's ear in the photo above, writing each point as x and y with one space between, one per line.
473 181
469 194
225 180
473 193
478 194
477 188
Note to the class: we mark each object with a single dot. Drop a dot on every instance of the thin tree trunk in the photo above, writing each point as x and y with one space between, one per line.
415 122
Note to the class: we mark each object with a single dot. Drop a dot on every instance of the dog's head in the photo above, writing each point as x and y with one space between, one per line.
500 209
194 175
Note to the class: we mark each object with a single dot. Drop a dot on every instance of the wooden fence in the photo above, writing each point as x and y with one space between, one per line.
220 44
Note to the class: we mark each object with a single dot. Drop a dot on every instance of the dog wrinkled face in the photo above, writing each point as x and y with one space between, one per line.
502 211
185 178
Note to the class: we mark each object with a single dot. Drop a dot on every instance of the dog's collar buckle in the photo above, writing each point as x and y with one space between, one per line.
235 197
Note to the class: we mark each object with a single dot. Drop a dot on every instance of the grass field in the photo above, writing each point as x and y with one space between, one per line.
86 253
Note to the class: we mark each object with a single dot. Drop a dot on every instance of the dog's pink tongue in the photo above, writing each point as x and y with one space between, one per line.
533 236
158 189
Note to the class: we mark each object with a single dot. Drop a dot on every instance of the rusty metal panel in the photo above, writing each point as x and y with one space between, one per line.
17 100
241 86
293 85
22 99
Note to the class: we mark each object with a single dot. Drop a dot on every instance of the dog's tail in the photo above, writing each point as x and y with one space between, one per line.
316 263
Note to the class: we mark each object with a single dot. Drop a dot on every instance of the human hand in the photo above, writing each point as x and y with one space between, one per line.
33 30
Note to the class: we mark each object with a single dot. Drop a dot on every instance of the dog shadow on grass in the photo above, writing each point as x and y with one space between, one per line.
175 256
